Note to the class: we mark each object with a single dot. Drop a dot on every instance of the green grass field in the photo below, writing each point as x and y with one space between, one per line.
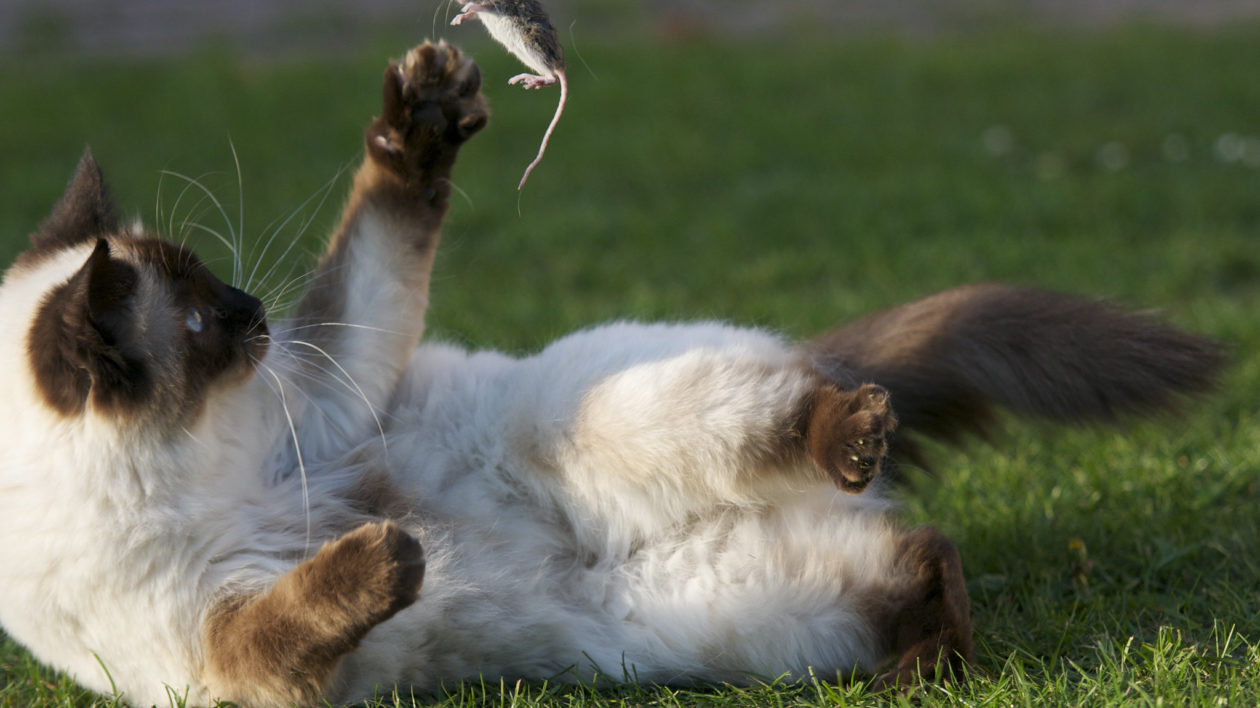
794 185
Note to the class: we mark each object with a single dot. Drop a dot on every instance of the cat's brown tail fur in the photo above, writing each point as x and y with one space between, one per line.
952 359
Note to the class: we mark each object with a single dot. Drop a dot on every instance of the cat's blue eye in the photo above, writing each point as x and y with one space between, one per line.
193 322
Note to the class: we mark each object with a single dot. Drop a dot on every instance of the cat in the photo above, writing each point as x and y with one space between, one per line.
197 502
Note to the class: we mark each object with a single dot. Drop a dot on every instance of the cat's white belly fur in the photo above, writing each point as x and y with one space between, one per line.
545 559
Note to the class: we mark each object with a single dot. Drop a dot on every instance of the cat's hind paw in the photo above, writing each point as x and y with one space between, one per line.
431 103
846 431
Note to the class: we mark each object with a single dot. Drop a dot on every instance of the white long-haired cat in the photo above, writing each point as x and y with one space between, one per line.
655 499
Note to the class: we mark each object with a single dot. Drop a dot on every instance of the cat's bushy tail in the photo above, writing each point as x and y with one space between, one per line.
952 359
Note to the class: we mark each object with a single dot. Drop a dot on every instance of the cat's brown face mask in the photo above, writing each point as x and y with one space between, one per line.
142 328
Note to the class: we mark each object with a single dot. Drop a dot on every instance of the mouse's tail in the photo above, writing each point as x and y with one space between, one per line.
564 95
951 360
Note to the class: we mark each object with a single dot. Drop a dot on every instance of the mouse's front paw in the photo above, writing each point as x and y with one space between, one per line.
431 104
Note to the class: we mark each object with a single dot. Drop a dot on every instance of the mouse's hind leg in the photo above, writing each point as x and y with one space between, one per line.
467 12
532 81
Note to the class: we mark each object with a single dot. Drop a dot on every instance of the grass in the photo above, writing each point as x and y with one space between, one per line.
792 186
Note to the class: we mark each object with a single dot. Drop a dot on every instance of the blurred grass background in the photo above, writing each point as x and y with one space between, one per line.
791 180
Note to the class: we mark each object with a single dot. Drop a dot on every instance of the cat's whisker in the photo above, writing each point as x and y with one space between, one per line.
352 385
234 235
157 202
277 299
295 367
290 287
296 376
193 226
433 23
307 281
194 438
461 192
179 199
238 266
297 449
297 363
258 258
322 193
295 328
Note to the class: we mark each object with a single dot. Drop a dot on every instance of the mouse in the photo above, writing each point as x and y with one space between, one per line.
523 28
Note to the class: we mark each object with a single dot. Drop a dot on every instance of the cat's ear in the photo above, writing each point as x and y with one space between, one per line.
86 210
108 285
78 342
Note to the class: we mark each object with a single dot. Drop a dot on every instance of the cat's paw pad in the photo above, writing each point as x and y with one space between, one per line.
846 433
431 103
382 564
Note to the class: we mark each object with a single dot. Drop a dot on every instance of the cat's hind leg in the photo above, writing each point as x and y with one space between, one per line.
648 424
831 587
926 617
845 433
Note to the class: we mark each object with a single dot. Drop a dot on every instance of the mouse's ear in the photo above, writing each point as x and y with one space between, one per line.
86 210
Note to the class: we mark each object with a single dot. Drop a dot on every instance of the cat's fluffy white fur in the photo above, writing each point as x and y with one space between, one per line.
590 507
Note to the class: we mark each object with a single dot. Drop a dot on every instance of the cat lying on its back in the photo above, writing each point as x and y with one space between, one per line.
658 499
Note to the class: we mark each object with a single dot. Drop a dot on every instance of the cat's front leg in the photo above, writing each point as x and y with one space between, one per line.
283 646
364 309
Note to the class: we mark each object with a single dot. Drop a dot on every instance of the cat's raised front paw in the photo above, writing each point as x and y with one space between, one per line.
846 433
431 104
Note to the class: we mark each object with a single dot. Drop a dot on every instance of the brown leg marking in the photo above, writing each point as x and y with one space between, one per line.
845 433
431 105
927 624
282 646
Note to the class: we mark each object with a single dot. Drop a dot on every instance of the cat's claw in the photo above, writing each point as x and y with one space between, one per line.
846 434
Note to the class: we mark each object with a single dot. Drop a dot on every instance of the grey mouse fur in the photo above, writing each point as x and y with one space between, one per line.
523 28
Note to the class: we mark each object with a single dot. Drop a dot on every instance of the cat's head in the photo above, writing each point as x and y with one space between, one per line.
123 324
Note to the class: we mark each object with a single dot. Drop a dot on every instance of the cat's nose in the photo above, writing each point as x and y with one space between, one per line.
246 310
247 302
